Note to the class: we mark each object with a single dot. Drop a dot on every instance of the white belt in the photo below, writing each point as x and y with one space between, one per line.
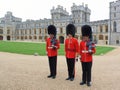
84 51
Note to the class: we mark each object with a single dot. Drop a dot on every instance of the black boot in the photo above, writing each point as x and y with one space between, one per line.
88 84
82 83
68 78
53 77
71 79
49 76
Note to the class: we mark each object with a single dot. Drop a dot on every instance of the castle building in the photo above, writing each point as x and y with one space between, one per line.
114 31
104 31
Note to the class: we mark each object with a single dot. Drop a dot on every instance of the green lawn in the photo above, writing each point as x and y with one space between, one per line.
31 48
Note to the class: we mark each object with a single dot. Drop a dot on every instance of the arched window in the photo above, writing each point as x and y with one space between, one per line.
1 37
61 38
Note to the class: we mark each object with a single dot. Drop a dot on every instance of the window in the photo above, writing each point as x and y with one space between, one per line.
117 41
61 30
115 8
100 28
39 31
40 37
114 26
30 37
21 37
35 37
106 28
106 37
17 37
100 37
22 32
75 29
25 37
1 31
8 31
34 31
30 31
25 31
45 31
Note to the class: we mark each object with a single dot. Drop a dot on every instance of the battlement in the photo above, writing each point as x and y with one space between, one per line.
82 7
60 10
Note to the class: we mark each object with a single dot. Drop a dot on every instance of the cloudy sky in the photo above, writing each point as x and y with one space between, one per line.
40 9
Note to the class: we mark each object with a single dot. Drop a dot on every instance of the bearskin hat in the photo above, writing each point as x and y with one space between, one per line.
51 29
87 31
70 29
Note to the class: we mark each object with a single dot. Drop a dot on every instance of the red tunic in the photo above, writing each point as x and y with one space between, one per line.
71 47
50 51
85 55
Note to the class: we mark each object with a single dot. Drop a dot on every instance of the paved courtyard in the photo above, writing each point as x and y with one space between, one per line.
27 72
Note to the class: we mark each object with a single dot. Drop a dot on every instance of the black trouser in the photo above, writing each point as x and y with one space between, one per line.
53 65
71 67
86 71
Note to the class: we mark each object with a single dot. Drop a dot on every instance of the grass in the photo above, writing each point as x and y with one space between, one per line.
31 48
101 50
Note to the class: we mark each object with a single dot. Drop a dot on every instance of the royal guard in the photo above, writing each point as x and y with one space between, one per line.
52 46
86 50
71 51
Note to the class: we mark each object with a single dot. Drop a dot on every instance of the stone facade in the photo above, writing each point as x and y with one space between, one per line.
8 25
114 31
104 31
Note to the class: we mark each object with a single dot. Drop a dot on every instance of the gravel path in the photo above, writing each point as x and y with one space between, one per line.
27 72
